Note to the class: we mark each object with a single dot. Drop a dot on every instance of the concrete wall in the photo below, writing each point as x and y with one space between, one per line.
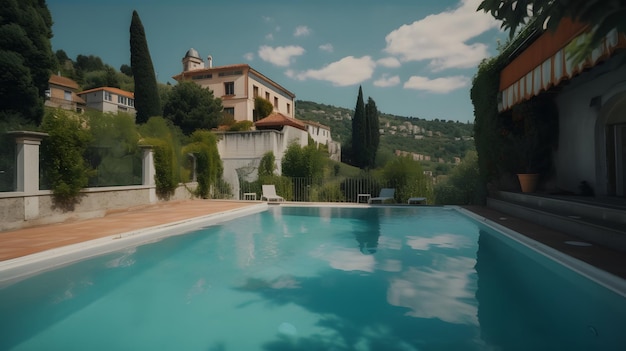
20 211
581 153
241 152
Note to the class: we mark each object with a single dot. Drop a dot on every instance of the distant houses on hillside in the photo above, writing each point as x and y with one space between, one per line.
62 93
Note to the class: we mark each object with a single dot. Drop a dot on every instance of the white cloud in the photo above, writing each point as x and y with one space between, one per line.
301 31
249 56
442 38
269 36
437 85
327 47
280 55
386 81
347 71
390 62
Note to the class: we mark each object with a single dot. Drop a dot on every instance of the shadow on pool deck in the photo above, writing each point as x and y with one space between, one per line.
23 242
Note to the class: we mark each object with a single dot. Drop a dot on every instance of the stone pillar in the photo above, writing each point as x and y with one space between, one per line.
27 163
148 172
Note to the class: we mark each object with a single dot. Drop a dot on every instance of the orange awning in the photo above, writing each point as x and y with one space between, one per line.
545 63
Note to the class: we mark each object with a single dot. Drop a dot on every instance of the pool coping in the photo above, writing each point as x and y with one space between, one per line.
16 269
600 276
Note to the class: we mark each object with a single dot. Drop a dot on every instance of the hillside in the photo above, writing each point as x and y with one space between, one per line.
437 141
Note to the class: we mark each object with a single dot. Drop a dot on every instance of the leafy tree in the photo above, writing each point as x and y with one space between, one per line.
359 148
407 177
372 133
267 166
63 164
192 107
147 102
262 108
302 162
602 15
126 69
89 63
26 57
463 185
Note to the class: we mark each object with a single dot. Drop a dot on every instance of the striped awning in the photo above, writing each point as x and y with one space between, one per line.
545 63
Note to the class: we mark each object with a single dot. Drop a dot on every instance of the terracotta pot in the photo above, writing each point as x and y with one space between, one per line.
528 181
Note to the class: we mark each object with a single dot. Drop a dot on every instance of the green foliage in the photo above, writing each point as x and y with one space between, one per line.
63 164
209 168
359 142
372 133
267 165
241 126
26 57
192 107
262 108
113 152
283 185
463 185
127 70
602 15
165 139
407 177
302 162
147 100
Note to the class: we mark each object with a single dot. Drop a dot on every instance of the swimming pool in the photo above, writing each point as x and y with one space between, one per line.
317 278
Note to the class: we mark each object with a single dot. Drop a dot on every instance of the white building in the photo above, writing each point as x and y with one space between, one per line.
237 85
107 99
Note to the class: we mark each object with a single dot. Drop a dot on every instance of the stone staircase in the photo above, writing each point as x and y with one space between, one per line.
600 221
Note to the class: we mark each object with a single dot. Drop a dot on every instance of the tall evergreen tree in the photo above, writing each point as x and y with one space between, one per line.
372 131
147 101
26 58
358 132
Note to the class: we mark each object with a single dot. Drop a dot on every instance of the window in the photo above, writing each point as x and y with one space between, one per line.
131 102
275 102
229 88
267 96
288 108
107 96
68 95
229 111
121 100
255 91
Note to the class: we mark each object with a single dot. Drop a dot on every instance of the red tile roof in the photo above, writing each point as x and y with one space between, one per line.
116 91
277 119
63 81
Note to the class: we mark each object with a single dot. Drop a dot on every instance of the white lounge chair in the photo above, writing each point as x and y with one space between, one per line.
269 193
385 194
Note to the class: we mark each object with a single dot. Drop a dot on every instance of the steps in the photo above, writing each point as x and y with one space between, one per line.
598 221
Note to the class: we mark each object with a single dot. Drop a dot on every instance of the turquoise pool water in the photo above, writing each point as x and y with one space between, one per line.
317 278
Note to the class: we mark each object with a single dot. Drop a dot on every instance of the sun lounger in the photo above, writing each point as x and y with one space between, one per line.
416 201
269 193
385 195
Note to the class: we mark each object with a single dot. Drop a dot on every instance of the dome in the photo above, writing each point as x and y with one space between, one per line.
192 53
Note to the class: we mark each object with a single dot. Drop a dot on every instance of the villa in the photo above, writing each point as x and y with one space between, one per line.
108 99
62 93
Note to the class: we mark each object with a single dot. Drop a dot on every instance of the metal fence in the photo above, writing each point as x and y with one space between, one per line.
337 189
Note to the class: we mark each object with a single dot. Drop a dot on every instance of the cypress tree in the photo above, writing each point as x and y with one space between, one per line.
372 132
147 101
359 156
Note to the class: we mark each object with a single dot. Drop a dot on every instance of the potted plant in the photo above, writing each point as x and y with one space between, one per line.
533 131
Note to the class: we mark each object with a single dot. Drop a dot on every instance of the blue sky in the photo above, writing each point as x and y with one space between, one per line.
415 58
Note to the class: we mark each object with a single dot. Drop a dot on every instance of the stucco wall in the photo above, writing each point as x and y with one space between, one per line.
19 211
580 153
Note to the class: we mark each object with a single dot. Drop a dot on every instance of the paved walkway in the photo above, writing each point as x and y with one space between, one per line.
24 242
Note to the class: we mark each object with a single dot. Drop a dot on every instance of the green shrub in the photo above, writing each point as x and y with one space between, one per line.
407 177
165 139
463 185
241 126
284 186
208 163
62 155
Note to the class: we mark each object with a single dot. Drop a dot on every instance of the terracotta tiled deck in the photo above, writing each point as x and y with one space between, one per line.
24 242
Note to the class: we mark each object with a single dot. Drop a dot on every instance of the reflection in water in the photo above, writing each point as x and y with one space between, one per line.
534 304
444 292
367 232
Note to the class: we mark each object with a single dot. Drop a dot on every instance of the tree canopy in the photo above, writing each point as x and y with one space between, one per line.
147 101
358 132
372 132
192 107
262 108
603 15
25 58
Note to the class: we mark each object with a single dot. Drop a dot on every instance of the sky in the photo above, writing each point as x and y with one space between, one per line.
415 58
